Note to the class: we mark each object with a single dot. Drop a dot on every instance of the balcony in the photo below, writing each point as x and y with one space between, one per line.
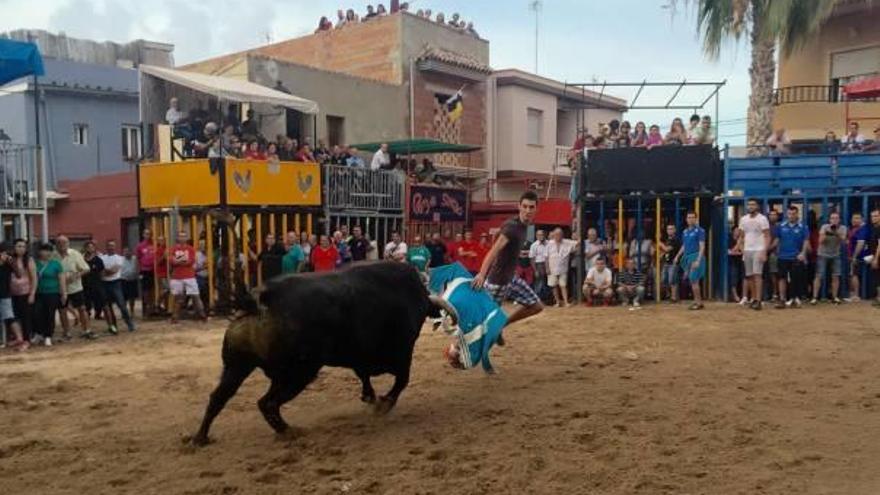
811 94
19 178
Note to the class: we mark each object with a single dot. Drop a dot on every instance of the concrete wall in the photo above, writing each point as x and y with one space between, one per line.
16 116
62 47
417 33
812 66
515 101
372 111
96 208
104 115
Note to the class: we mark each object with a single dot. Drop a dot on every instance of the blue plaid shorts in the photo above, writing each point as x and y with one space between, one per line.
517 291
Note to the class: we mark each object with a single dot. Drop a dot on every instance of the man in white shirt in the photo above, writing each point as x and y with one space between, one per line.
381 159
538 259
853 141
173 116
558 252
396 249
112 279
779 143
598 283
754 243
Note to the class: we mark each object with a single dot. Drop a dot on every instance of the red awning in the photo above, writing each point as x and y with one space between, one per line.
863 88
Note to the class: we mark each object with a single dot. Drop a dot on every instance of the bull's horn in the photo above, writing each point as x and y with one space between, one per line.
444 304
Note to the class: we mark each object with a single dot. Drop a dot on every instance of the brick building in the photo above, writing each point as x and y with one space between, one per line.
390 75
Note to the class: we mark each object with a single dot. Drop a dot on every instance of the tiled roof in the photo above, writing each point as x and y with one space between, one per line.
456 59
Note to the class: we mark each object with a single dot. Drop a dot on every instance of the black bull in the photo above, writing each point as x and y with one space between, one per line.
366 318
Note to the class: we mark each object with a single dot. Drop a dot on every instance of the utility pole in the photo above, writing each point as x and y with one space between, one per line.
536 5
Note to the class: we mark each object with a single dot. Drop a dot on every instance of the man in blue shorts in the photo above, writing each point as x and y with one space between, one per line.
692 257
497 273
794 243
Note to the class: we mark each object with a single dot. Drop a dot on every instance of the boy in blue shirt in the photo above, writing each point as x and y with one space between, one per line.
794 241
692 256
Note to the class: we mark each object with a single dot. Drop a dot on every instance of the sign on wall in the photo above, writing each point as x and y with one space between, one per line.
437 204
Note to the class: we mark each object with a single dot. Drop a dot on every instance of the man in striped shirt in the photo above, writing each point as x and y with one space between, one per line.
631 284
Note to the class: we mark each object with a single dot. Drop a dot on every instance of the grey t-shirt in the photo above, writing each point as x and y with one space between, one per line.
830 246
504 266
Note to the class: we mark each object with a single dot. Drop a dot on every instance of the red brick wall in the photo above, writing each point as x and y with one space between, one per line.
96 207
471 126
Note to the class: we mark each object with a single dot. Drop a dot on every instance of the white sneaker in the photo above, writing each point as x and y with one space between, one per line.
47 342
743 302
789 303
637 305
36 340
797 302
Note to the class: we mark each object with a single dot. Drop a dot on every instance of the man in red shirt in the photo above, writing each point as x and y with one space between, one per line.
483 249
324 256
183 276
468 252
146 256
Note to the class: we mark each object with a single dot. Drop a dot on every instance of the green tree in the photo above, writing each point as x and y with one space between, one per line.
768 23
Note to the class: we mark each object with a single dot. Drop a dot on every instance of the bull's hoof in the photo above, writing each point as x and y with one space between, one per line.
197 441
290 433
368 398
384 405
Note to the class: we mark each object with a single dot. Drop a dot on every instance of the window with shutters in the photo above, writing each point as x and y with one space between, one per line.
131 142
853 65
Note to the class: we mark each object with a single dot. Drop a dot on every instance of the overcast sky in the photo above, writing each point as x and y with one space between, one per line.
580 40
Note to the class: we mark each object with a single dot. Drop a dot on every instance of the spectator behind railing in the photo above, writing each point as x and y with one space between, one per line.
304 154
779 143
830 146
874 147
704 133
254 152
354 160
853 141
693 125
654 137
676 135
639 138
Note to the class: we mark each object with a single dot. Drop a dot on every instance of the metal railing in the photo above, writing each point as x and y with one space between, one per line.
19 178
349 188
811 94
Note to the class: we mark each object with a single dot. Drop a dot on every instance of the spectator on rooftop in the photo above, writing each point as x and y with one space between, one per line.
639 137
340 19
853 141
473 32
324 25
249 128
350 17
704 133
354 160
455 21
371 12
441 19
778 143
380 10
404 7
381 159
428 14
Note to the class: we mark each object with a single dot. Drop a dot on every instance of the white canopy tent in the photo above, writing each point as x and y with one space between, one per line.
224 88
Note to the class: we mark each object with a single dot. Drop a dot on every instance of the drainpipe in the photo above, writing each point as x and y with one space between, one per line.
412 104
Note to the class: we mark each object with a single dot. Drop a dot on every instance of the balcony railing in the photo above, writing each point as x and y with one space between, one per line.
19 181
810 94
350 188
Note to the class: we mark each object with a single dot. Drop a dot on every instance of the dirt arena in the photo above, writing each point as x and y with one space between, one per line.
600 401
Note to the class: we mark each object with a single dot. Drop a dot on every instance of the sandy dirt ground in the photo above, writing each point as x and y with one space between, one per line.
603 401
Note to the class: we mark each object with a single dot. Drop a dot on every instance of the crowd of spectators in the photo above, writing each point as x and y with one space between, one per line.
853 142
617 134
349 17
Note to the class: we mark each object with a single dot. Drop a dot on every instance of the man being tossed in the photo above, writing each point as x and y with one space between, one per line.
497 273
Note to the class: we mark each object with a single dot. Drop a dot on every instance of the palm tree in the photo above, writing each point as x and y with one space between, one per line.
786 23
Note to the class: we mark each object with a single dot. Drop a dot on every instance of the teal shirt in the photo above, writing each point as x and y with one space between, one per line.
291 261
47 276
418 257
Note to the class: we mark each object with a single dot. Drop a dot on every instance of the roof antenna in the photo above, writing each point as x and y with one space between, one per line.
536 5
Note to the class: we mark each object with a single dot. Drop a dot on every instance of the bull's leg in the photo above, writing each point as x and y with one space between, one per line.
401 380
368 395
230 380
283 389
